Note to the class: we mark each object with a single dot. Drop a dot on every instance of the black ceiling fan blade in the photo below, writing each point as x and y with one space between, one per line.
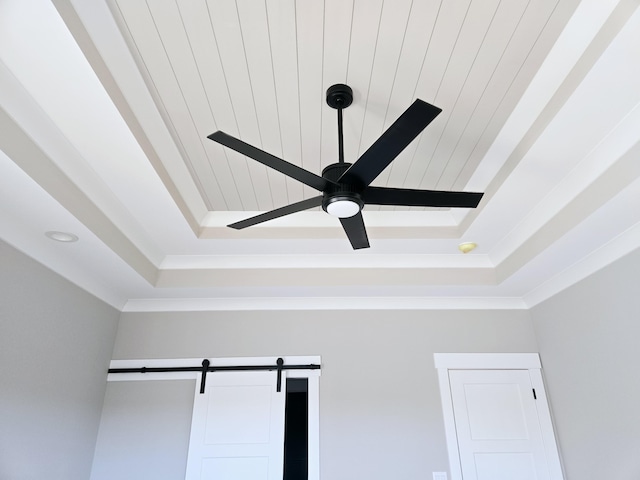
420 198
278 212
393 141
282 166
354 228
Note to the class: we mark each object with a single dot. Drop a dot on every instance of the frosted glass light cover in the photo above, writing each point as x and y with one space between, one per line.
343 208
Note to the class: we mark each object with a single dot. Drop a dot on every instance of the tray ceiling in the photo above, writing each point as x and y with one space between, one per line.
106 107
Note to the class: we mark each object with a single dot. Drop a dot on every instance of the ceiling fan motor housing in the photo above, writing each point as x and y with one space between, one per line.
338 191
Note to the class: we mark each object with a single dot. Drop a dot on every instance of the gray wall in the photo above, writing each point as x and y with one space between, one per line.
144 431
380 417
55 345
589 342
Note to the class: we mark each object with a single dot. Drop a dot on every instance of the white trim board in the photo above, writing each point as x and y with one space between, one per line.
486 361
322 303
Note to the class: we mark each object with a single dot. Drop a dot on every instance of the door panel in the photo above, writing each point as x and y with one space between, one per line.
255 468
495 412
505 466
497 425
237 430
238 414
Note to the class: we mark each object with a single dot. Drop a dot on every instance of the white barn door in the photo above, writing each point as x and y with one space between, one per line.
237 430
499 434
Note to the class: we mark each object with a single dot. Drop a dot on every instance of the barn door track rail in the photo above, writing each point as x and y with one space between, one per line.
207 367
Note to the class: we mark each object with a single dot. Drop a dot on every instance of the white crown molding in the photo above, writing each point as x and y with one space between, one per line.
587 34
597 178
106 50
315 277
322 303
617 248
327 261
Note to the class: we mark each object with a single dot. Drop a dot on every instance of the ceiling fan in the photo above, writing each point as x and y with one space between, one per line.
346 187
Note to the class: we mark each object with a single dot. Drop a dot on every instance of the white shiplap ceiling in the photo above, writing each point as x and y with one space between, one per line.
259 71
106 106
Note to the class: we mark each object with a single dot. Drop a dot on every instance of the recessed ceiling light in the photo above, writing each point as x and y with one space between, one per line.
466 247
62 236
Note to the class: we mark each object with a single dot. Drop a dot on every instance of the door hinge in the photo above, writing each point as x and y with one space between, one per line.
534 394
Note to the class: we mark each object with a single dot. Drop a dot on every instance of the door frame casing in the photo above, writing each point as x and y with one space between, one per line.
495 361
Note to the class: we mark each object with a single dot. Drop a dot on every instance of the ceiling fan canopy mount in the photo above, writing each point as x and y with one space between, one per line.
339 96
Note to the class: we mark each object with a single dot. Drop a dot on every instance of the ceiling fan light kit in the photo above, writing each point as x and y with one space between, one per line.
345 187
342 207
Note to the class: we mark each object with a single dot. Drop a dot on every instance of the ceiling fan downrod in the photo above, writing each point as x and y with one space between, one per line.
339 96
341 201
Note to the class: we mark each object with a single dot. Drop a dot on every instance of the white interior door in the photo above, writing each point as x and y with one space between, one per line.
497 425
237 430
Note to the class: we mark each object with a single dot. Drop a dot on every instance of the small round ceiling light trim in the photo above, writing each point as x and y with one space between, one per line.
62 236
466 247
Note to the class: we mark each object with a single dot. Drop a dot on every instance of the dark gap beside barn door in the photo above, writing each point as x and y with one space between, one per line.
296 430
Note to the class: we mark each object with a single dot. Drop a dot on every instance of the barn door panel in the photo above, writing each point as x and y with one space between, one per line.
237 430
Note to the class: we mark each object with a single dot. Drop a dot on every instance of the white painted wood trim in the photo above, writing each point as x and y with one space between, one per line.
498 361
550 442
486 361
449 424
194 362
313 413
322 303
